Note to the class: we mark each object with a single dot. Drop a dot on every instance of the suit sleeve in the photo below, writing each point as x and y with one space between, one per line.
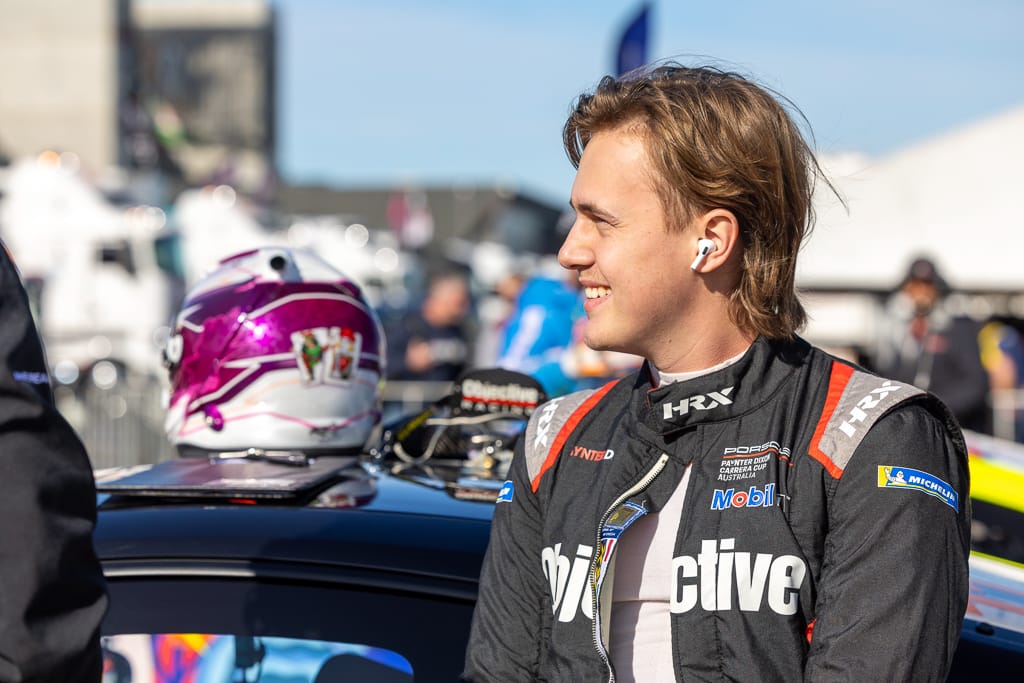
52 591
894 581
508 624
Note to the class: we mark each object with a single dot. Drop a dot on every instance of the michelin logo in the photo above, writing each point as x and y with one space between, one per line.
890 477
508 489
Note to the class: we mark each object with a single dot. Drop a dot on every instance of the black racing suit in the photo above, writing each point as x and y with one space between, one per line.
52 591
824 534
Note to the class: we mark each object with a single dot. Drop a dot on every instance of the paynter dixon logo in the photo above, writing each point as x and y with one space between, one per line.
592 453
890 477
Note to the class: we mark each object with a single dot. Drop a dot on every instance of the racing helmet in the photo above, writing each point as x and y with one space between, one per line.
274 349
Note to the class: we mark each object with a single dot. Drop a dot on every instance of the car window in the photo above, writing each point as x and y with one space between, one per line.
226 658
398 624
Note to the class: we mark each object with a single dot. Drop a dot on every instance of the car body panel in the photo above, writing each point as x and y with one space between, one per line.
385 558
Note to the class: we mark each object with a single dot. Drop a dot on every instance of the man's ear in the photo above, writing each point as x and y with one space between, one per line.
718 236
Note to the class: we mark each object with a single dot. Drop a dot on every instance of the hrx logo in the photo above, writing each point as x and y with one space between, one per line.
751 498
706 401
872 400
547 413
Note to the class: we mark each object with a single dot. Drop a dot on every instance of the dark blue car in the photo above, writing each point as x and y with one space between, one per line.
331 570
348 569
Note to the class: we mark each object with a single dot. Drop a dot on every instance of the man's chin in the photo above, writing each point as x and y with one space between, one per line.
596 342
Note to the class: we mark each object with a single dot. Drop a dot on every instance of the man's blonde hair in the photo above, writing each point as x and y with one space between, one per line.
718 140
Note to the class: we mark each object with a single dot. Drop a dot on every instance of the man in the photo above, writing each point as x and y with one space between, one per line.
745 507
924 344
52 591
430 344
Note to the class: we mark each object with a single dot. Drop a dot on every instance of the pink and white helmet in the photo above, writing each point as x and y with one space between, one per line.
274 349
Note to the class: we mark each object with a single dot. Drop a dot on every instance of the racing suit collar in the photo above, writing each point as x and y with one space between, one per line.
721 395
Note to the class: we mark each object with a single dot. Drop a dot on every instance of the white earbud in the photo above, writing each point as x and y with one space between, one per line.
704 247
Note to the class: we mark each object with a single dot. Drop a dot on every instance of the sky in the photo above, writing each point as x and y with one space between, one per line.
468 92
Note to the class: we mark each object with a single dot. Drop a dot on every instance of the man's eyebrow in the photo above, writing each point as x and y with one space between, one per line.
590 209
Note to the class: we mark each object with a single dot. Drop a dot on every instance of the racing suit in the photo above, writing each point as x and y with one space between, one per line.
52 592
824 533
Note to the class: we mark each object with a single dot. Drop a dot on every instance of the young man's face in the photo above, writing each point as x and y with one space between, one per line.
635 272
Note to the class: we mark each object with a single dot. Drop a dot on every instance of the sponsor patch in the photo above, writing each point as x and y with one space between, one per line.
31 377
593 454
508 490
491 397
700 402
745 462
891 477
721 578
754 497
619 521
327 353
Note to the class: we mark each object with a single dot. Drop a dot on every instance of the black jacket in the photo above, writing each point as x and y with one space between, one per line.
52 591
824 535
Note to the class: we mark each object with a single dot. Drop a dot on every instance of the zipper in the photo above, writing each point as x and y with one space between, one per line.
644 482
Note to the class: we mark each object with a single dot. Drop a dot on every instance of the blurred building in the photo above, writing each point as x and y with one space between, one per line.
203 74
60 82
184 88
472 213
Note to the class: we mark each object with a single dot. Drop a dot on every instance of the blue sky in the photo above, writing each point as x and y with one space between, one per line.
473 92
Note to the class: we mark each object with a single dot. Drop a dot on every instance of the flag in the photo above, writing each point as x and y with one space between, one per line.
632 52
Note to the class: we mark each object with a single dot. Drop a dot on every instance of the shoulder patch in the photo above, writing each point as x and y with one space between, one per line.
855 401
550 426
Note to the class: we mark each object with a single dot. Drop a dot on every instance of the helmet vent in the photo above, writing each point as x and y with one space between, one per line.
278 263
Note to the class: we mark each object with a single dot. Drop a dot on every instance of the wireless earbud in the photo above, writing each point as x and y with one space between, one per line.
704 247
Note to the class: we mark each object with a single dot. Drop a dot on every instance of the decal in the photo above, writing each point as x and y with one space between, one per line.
891 477
31 377
592 453
619 521
699 402
547 413
714 576
326 353
568 580
510 398
860 411
751 498
744 462
507 492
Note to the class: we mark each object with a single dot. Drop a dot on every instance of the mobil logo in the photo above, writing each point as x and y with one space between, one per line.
754 497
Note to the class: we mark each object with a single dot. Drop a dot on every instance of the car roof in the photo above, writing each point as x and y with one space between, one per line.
342 513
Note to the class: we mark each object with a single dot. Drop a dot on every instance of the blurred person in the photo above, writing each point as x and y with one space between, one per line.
745 506
274 350
1002 355
52 592
544 339
432 343
923 343
496 311
539 330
